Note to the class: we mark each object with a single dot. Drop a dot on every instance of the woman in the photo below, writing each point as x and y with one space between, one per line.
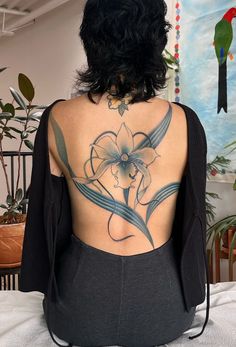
123 152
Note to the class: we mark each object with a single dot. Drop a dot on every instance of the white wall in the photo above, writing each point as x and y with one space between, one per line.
48 52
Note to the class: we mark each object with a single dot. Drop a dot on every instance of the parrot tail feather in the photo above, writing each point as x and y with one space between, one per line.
222 87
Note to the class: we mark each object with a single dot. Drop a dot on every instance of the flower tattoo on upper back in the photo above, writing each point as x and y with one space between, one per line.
118 153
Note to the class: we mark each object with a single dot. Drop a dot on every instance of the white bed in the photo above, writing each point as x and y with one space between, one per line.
22 323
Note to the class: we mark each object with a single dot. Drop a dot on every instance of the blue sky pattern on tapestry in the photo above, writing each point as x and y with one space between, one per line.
199 73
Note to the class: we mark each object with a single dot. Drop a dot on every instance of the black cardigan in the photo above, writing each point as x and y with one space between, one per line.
49 223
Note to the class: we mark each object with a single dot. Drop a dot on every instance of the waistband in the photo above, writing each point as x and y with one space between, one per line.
95 250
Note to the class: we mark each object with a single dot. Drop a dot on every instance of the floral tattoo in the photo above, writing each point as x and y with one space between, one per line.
119 104
118 153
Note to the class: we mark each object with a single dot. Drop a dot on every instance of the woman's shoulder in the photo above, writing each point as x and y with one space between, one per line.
193 116
189 111
63 109
70 107
186 108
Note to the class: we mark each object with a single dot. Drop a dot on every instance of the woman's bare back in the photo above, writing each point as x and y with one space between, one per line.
126 163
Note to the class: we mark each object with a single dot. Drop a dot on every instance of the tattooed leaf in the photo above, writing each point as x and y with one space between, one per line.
116 207
159 196
126 195
60 142
157 134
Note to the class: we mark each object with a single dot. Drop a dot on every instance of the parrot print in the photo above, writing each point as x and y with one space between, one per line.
222 41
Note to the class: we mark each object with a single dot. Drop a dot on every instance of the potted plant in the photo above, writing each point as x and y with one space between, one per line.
12 221
227 225
221 230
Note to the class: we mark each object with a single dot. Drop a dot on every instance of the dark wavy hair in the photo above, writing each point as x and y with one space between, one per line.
124 41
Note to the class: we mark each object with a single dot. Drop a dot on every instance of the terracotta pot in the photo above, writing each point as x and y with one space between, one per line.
225 237
11 244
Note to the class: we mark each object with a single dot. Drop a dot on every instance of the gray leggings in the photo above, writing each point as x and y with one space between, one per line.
112 300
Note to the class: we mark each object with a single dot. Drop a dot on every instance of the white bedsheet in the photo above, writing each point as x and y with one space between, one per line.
22 322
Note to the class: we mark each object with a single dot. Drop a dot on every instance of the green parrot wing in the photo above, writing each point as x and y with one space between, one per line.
223 39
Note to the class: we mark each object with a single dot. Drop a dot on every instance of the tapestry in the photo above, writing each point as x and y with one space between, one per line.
205 47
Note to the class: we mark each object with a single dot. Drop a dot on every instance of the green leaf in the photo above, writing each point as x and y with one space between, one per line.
41 107
24 201
7 134
36 114
9 199
37 119
15 129
213 195
29 144
26 87
16 211
232 150
18 98
20 118
31 129
232 246
24 135
9 108
29 107
231 144
19 194
3 206
5 115
6 128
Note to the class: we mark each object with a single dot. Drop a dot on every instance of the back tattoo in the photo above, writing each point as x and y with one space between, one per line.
124 156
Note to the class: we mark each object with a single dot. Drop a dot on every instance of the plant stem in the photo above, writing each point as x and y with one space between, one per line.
2 158
4 167
19 151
